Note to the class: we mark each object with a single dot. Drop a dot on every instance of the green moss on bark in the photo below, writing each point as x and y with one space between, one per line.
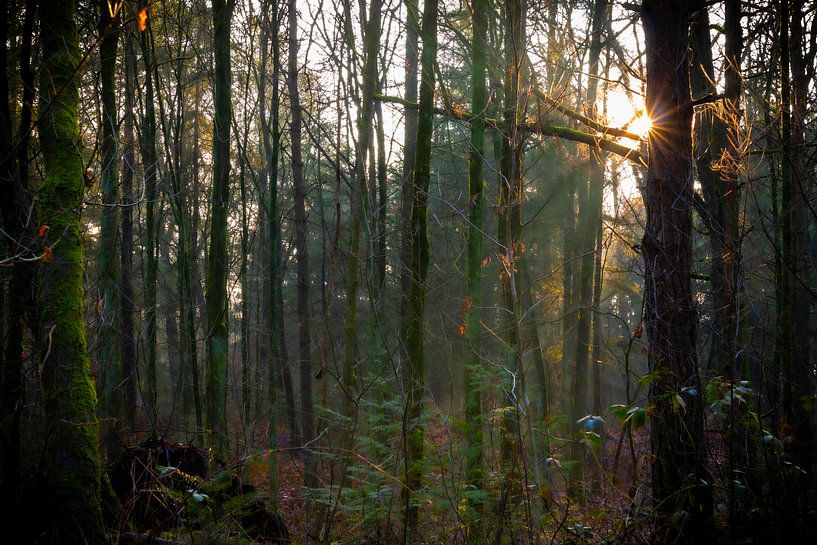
72 458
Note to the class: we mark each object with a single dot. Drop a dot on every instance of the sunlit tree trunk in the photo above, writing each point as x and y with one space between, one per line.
217 265
717 166
409 150
71 452
360 204
590 195
717 140
569 281
680 481
414 370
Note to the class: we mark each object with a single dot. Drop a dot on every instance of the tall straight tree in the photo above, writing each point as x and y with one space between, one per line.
414 371
589 222
217 264
147 140
509 235
302 250
795 307
127 342
360 198
272 146
108 350
473 277
677 437
71 451
409 150
17 310
717 159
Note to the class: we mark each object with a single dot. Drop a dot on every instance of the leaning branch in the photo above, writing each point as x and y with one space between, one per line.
593 124
543 129
591 140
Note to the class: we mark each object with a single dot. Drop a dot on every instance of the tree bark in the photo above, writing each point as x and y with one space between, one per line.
680 482
472 326
108 317
272 145
218 265
147 139
409 150
414 370
71 452
19 311
590 197
302 250
127 342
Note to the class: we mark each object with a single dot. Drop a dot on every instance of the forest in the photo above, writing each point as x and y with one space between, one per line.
389 272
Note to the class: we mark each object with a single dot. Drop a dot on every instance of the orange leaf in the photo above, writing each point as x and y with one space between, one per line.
142 19
42 231
48 255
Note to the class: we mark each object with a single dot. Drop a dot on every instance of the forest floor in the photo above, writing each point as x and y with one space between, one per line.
617 507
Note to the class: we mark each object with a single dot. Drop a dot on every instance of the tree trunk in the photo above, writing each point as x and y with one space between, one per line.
108 318
272 146
302 250
127 342
147 139
472 326
217 264
590 196
680 482
71 455
414 370
19 312
717 166
409 150
509 235
795 330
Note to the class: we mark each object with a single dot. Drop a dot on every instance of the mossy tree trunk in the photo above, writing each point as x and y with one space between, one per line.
414 370
217 264
71 455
